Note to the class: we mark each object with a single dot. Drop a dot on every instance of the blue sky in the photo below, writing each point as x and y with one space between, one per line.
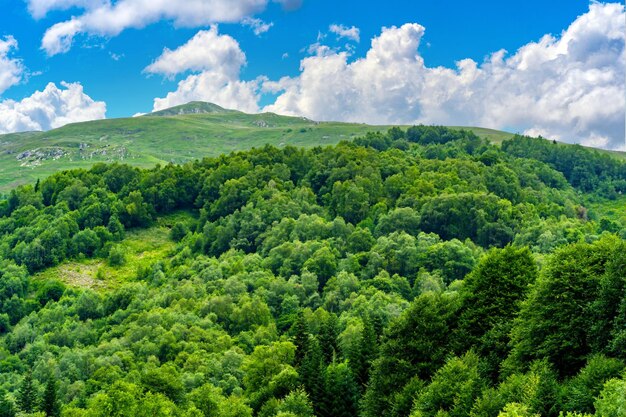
116 41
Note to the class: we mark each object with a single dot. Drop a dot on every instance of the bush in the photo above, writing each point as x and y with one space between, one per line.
117 256
50 291
179 231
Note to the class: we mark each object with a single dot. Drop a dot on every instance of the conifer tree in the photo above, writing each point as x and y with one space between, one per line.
26 395
341 392
50 402
328 338
301 339
363 353
312 374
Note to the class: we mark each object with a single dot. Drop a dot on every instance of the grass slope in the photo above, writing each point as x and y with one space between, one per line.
176 135
149 140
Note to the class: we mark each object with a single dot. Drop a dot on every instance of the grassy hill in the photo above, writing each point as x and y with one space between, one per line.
174 135
178 134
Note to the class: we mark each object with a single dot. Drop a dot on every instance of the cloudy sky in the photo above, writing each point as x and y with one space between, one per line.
555 70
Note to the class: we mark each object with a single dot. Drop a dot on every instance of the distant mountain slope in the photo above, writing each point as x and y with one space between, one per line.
193 107
178 134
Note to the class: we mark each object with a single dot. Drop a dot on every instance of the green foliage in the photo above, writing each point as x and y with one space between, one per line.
493 293
516 410
584 169
453 389
341 392
557 319
417 343
117 256
27 394
581 390
7 408
612 399
179 231
374 278
50 402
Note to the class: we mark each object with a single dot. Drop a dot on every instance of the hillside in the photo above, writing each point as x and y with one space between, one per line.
414 273
178 135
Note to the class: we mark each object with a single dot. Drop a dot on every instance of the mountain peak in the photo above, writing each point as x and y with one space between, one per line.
193 107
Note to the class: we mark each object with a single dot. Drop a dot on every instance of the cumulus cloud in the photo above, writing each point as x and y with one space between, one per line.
207 50
379 88
51 108
568 87
107 18
11 69
352 33
217 61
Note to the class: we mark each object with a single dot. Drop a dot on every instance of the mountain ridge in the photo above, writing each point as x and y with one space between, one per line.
175 135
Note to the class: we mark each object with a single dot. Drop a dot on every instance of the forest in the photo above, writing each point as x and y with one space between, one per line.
414 273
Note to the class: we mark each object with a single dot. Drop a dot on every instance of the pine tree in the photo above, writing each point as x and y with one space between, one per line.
50 402
301 339
26 395
363 353
312 374
341 392
328 338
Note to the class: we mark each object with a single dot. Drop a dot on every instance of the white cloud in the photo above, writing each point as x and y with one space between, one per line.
352 33
379 88
218 59
11 69
40 8
258 26
51 108
207 50
107 18
569 87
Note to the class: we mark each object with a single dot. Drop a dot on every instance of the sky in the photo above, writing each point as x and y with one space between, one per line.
555 69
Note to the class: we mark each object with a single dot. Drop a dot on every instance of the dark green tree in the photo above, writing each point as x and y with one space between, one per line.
27 394
362 353
557 319
311 373
492 296
50 403
415 345
341 392
329 331
301 339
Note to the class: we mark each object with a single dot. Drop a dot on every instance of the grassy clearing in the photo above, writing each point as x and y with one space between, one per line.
611 209
141 247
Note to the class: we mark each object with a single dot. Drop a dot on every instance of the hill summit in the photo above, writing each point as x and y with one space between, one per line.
193 107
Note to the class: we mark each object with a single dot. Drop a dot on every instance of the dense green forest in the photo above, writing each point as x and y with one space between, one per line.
413 273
